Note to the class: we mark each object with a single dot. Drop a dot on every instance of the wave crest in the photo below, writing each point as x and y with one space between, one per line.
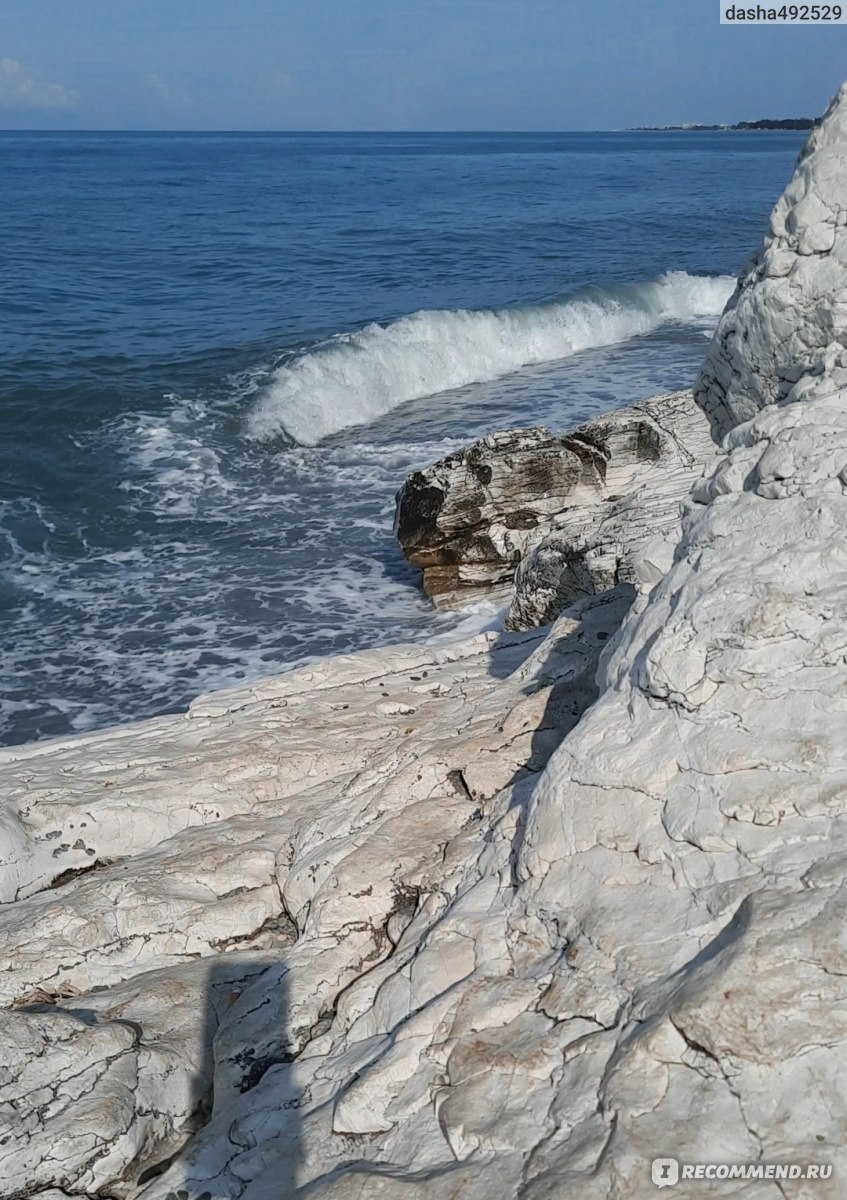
354 378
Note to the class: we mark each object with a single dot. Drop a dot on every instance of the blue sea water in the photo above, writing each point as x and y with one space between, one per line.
221 354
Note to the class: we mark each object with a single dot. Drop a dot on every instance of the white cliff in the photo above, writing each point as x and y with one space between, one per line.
788 316
354 933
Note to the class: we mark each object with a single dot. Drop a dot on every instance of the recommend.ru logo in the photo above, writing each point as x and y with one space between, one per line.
666 1172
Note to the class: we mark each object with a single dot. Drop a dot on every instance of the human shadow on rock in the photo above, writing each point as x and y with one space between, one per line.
559 664
237 1054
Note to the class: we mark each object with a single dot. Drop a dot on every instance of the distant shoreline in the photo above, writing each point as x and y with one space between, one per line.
798 123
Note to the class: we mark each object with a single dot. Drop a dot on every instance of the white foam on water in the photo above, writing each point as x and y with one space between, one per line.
173 466
484 616
262 578
355 378
243 564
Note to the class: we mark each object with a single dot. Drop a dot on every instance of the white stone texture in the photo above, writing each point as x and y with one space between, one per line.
238 869
788 316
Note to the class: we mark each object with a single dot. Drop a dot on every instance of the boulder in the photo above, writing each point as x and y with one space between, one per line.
468 520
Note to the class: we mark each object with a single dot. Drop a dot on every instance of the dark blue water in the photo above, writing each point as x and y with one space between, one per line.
209 390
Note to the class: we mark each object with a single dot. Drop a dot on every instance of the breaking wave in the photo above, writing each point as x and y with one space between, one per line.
354 378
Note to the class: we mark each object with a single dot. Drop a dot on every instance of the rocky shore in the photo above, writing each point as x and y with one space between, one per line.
508 918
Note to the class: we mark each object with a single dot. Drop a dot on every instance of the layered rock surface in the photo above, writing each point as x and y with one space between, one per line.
654 451
466 520
502 920
596 493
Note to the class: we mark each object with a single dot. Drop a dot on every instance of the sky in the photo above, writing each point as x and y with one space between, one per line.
402 65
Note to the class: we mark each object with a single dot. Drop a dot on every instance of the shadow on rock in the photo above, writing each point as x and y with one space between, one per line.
559 666
239 984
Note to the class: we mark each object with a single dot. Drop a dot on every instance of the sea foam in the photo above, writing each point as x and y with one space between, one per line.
354 378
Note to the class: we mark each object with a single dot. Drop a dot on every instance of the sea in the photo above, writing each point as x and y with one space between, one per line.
221 354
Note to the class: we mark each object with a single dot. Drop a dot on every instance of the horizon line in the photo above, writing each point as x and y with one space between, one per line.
327 132
716 128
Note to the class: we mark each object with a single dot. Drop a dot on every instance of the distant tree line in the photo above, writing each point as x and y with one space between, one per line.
788 123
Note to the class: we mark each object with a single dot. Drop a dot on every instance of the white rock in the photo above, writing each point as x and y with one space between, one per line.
789 312
241 905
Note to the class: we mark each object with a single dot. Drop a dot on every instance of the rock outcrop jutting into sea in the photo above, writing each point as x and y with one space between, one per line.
505 919
568 514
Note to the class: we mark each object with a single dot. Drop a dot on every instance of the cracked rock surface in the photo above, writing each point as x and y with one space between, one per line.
189 901
504 919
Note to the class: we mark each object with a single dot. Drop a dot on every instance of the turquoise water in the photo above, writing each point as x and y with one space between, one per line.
221 354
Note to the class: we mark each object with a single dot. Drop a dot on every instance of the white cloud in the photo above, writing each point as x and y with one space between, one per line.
21 88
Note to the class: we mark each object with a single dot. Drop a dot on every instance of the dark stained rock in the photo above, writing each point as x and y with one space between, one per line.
469 520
